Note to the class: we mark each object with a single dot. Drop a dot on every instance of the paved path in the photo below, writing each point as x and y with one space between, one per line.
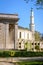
19 59
30 58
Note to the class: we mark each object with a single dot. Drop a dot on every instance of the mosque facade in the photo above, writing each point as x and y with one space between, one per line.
16 37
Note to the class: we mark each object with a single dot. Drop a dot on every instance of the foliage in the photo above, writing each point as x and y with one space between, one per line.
30 63
37 47
38 3
11 53
20 54
41 37
26 45
37 36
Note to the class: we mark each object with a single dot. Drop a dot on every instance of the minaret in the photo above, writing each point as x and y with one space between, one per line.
32 25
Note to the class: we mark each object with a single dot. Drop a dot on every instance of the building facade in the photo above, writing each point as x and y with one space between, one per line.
16 37
26 35
8 24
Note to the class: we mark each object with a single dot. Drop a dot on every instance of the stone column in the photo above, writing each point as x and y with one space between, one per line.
2 35
16 36
6 35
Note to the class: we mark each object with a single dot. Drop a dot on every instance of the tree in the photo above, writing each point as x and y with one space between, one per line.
38 3
37 36
41 37
26 45
37 47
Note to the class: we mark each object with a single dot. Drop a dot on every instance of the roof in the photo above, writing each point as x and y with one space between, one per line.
8 14
4 16
22 28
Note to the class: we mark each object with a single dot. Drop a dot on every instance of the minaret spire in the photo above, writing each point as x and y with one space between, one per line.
32 25
32 16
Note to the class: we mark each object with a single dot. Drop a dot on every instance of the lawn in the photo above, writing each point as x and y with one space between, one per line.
30 63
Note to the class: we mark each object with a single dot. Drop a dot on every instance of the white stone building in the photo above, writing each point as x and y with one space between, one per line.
26 35
13 36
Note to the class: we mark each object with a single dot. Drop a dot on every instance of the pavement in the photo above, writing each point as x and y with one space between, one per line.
19 59
28 58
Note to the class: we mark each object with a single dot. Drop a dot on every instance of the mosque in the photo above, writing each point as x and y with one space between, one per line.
15 37
26 35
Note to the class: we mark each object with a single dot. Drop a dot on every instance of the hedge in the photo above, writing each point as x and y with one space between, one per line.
20 54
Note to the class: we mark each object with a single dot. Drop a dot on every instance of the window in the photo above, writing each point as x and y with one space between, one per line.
19 45
35 43
32 43
32 48
41 49
27 36
38 43
20 35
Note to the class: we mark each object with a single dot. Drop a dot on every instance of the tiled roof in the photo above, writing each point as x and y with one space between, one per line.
22 28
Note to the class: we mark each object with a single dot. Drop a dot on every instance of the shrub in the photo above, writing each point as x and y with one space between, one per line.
13 53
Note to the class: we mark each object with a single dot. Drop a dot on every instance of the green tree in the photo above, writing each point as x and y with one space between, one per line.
41 37
37 36
38 3
37 47
26 45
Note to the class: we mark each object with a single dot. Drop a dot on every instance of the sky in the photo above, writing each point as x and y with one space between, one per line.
22 8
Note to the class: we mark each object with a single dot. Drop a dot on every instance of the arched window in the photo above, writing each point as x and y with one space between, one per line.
20 34
19 44
38 43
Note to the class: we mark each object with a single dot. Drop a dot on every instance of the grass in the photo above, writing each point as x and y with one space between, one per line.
30 63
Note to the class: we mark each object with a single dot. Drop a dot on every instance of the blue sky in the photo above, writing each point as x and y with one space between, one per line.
23 10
